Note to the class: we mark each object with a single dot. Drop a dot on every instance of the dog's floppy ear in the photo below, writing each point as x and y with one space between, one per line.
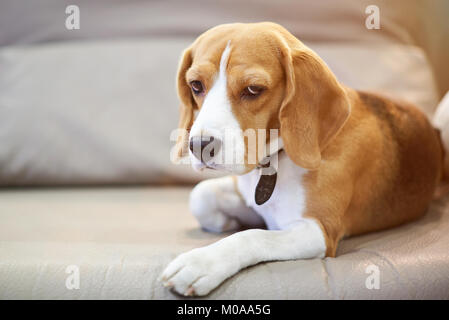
314 109
187 104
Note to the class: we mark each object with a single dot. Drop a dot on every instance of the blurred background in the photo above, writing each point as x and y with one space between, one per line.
96 105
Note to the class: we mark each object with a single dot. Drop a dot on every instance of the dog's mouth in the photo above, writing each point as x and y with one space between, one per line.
217 161
268 165
217 167
200 166
212 166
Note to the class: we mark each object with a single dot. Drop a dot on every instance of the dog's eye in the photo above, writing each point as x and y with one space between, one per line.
197 87
252 91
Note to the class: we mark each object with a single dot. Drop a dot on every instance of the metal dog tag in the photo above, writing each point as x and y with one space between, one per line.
265 188
267 181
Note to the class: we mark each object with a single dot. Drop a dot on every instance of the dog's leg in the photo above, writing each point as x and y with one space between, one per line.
200 270
218 206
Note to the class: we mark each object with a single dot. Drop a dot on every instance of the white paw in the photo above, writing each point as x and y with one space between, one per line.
195 273
209 203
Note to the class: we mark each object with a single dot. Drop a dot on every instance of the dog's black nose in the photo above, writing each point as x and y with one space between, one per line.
204 148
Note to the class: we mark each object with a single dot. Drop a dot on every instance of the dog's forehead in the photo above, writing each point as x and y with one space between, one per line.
247 45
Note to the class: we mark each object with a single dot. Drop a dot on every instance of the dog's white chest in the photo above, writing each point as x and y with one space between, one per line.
286 206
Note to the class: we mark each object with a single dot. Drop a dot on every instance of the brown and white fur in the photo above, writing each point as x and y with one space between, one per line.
354 162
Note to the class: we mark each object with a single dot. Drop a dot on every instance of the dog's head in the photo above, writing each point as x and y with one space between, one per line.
240 80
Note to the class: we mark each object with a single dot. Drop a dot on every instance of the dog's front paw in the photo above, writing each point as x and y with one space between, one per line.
194 273
211 204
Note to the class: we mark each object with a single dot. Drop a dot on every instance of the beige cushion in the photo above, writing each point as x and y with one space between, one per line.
308 19
122 238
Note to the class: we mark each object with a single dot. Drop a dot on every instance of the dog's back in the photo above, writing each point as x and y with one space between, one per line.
407 168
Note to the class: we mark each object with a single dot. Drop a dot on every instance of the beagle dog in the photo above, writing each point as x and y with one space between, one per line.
348 162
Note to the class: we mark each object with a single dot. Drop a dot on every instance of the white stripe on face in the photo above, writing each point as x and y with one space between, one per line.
217 120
